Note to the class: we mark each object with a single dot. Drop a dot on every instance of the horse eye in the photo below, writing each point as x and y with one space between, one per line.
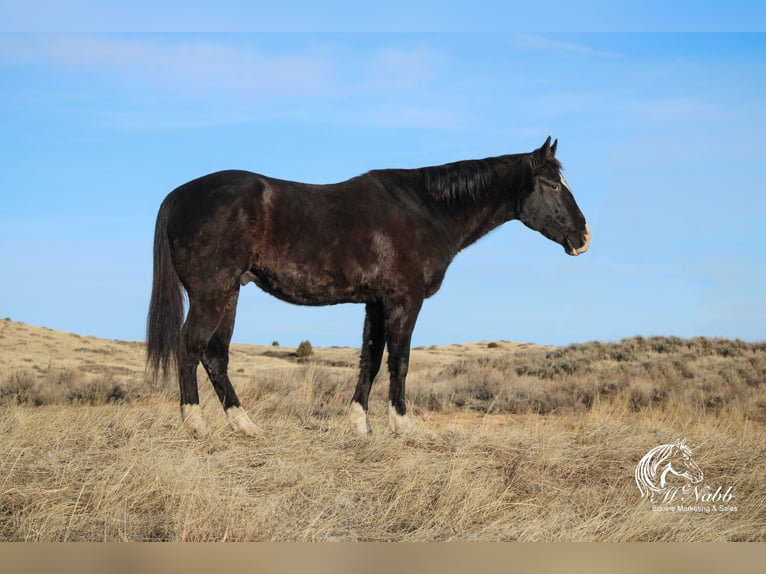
555 186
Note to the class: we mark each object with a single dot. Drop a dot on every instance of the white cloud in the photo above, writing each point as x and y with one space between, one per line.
541 44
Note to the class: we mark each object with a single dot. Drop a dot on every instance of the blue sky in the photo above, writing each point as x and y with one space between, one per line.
660 136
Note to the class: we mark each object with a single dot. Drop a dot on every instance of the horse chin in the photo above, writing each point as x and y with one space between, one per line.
575 251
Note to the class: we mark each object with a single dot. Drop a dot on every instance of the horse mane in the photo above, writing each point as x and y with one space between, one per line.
465 181
458 182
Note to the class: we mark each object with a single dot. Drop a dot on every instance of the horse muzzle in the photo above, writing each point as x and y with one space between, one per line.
584 241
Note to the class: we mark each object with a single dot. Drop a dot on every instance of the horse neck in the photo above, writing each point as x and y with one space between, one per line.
497 204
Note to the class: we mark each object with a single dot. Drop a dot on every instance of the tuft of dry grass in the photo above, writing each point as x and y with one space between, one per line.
67 386
512 442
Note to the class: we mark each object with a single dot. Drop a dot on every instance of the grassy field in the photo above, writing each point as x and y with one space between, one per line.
511 442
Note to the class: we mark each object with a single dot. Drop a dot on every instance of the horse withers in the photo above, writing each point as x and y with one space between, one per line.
384 238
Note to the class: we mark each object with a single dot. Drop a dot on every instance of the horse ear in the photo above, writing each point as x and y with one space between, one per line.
541 155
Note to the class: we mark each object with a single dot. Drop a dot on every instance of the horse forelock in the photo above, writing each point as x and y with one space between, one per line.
537 164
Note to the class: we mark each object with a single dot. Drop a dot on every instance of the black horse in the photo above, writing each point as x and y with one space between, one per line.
384 239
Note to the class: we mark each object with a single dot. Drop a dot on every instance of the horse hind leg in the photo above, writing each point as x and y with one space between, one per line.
201 322
215 359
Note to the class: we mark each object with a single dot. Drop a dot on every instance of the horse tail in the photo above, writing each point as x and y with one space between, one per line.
166 306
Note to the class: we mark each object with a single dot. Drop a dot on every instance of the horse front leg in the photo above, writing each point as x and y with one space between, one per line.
400 322
373 343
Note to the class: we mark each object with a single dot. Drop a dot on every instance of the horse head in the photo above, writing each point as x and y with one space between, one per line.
549 206
680 463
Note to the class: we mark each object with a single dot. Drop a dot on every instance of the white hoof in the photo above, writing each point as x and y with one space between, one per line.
358 419
399 424
193 421
241 422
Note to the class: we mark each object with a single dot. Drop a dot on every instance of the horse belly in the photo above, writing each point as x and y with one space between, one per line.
304 285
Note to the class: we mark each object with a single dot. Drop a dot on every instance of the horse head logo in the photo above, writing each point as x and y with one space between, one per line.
661 464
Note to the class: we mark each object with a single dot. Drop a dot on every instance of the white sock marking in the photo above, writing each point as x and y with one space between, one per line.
192 419
241 422
399 424
358 419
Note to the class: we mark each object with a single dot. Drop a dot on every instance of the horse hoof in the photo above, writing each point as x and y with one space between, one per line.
193 421
358 419
241 422
399 424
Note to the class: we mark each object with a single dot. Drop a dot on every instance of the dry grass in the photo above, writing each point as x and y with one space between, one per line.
512 442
